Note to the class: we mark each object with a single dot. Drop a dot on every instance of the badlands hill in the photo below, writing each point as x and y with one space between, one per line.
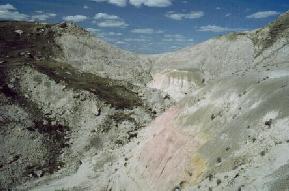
79 114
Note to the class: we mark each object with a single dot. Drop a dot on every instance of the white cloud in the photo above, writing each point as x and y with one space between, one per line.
93 30
180 16
107 20
136 40
112 23
138 3
173 36
120 3
263 14
176 38
146 31
39 12
174 47
228 14
75 18
114 34
120 42
218 29
42 16
99 16
85 7
9 12
7 7
151 3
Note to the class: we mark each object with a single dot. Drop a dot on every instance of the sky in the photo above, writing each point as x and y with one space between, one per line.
150 26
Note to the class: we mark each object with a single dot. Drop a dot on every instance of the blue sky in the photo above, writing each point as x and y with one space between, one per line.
150 26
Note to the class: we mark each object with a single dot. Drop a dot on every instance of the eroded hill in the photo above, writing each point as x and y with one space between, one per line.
78 114
55 108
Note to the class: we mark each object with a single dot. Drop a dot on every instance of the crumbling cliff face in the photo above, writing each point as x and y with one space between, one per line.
79 114
225 133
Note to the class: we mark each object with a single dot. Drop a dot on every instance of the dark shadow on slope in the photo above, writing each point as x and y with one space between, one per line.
276 31
112 92
36 47
23 43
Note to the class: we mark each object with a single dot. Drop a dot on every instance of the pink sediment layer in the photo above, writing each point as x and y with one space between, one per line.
167 153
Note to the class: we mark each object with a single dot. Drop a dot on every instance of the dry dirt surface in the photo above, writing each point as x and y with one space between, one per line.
79 114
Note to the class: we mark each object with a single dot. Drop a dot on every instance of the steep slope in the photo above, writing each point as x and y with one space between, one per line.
56 110
230 135
229 55
93 55
213 59
227 131
231 132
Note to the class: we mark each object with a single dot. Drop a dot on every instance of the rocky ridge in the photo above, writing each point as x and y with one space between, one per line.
60 108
